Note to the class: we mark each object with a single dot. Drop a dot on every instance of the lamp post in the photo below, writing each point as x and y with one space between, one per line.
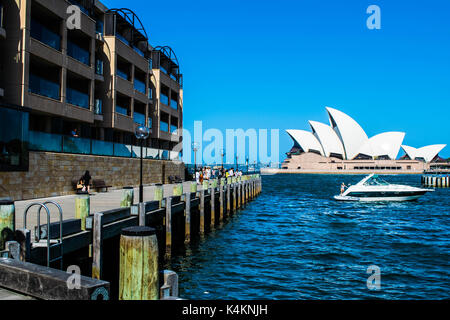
222 153
141 133
195 149
246 160
237 165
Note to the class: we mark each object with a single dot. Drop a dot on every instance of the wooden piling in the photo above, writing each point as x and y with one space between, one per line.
234 194
178 189
159 194
127 197
187 219
139 276
221 201
97 246
202 211
82 208
228 211
213 206
168 227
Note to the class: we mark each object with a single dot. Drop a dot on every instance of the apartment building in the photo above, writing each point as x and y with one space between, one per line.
88 88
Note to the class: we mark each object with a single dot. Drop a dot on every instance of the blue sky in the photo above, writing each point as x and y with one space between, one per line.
277 64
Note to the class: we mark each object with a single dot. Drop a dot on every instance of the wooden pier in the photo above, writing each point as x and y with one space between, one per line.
92 241
436 180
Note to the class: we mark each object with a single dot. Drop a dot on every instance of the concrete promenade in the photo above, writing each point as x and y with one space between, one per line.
99 201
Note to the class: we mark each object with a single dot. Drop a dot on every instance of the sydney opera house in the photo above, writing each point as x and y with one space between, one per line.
343 146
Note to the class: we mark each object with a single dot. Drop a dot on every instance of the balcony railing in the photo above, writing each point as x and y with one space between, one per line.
99 67
45 35
41 141
164 99
139 85
78 53
123 74
174 104
44 87
98 108
77 98
139 118
122 110
163 126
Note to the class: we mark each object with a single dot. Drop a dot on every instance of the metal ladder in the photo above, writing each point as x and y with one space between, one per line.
48 243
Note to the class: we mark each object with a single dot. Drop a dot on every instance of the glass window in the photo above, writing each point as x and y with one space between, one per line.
121 110
139 85
139 118
78 53
45 35
164 126
99 67
77 98
164 99
13 140
44 87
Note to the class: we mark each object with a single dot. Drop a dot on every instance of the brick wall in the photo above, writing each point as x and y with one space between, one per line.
51 174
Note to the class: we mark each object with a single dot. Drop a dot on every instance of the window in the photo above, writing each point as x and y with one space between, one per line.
45 35
13 139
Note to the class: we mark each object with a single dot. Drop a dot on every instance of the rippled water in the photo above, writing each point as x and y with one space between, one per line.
295 242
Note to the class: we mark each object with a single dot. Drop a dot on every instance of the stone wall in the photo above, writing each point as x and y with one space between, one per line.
51 174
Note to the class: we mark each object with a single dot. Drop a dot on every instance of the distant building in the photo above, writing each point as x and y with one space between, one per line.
344 146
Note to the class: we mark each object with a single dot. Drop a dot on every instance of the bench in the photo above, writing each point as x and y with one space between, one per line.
100 184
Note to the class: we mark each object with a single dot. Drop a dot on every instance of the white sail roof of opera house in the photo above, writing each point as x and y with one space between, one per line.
383 144
330 142
346 137
428 152
349 131
306 140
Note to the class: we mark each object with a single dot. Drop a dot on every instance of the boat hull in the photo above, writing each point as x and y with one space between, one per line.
377 199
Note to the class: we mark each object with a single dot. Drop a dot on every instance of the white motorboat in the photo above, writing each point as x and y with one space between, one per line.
373 188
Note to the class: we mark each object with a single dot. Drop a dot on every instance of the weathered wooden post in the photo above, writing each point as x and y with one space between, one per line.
193 187
139 276
82 208
159 193
202 211
239 185
97 246
187 216
7 217
235 207
212 203
228 211
221 200
205 185
127 197
178 189
168 227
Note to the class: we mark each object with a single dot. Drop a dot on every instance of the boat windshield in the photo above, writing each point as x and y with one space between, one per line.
375 181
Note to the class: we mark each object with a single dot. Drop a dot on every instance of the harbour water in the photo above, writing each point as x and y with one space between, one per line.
295 242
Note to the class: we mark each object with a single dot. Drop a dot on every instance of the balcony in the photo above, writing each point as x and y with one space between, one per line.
45 35
123 74
122 110
139 118
77 98
78 53
174 104
163 126
44 87
139 86
99 70
164 99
